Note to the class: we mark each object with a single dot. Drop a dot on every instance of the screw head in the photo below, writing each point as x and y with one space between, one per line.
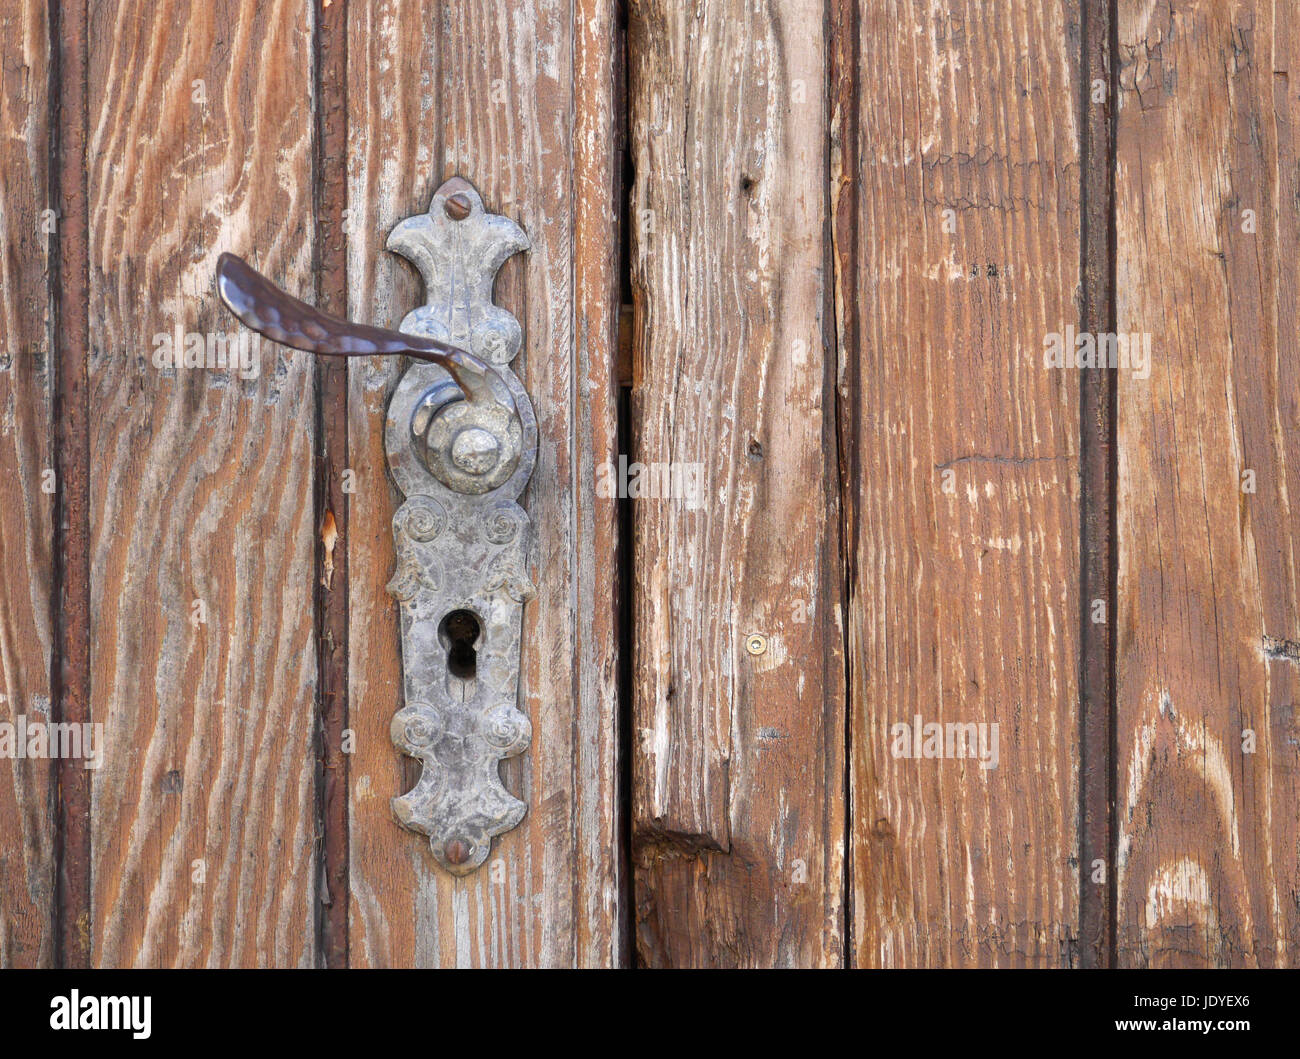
456 851
457 206
756 643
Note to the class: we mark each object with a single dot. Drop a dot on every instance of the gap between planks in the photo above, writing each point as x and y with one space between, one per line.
1098 476
330 200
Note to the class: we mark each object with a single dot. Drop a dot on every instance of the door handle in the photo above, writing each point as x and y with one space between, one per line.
461 441
263 307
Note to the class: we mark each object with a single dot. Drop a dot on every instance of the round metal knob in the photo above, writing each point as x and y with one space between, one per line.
475 451
469 446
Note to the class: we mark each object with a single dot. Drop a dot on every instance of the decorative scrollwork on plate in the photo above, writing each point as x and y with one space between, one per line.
421 518
505 573
504 523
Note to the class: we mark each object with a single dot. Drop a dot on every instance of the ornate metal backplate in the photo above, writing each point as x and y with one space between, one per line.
460 536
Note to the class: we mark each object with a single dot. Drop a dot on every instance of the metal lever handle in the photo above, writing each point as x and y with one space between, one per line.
265 308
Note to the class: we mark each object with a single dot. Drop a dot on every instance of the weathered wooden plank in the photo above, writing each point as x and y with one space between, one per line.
27 885
518 99
1208 858
70 273
738 756
964 497
202 656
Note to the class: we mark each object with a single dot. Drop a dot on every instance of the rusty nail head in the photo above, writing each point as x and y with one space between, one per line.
457 206
457 852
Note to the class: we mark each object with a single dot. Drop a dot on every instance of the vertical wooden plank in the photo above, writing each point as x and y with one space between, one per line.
516 98
592 425
393 134
963 606
1208 857
27 887
738 767
202 659
70 275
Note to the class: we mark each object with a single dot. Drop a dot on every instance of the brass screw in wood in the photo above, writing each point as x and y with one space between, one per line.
457 207
756 643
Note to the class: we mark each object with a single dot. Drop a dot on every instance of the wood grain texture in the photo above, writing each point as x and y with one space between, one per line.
517 98
738 810
963 604
1208 854
70 275
202 491
27 821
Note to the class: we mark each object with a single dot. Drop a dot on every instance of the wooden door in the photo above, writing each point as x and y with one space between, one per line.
899 640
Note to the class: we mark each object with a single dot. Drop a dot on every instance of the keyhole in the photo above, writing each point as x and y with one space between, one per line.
458 632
